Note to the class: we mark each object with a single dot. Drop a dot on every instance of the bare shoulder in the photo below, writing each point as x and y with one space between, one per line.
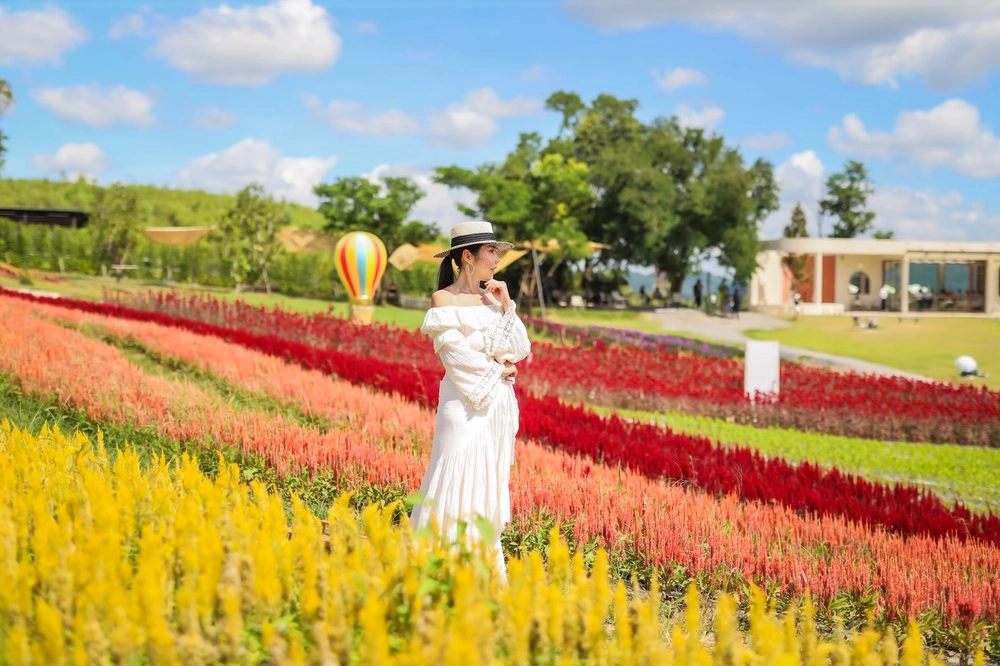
442 298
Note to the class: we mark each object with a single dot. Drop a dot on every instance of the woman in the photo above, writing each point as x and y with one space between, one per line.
478 337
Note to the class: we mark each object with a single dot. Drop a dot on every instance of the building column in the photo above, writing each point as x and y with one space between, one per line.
992 298
818 278
904 283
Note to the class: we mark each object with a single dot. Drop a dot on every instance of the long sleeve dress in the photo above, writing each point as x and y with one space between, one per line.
469 472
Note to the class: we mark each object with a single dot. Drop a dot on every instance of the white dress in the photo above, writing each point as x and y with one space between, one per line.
469 473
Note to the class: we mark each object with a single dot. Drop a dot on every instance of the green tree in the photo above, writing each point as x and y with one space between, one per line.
531 196
358 204
247 231
666 195
6 100
847 196
115 221
797 227
884 235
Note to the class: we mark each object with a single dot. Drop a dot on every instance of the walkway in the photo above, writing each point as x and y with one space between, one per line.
730 331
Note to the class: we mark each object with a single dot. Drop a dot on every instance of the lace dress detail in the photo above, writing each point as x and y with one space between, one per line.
468 475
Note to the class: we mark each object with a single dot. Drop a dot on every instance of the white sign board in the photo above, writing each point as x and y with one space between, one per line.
761 368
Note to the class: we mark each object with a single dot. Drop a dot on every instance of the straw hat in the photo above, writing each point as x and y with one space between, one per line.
466 234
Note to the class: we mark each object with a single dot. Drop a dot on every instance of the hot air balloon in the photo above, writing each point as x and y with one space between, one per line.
360 258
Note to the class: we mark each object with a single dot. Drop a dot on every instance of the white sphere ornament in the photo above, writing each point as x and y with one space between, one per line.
966 365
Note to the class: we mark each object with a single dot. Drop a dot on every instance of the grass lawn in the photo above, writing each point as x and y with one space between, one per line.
928 347
966 473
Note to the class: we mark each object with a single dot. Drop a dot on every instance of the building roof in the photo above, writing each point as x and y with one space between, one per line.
52 216
869 246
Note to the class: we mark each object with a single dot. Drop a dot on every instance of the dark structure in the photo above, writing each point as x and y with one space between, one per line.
71 219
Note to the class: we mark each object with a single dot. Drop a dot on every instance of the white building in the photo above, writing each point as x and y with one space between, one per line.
939 277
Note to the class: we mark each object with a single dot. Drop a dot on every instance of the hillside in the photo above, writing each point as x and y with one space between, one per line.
166 206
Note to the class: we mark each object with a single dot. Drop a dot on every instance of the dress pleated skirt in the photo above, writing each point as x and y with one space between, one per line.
468 477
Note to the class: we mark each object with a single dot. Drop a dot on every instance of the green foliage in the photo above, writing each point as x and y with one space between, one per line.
358 204
797 228
884 235
530 196
247 234
165 207
847 196
115 222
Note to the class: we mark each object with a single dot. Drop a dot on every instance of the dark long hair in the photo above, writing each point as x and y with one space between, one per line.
446 276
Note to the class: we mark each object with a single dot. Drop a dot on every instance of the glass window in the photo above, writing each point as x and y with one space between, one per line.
860 285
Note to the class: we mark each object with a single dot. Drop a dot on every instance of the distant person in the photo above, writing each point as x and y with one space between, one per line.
797 299
657 294
883 294
697 294
644 295
737 298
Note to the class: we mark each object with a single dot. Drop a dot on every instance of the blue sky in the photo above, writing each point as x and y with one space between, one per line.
294 92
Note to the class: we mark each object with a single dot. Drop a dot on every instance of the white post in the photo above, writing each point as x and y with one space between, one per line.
818 278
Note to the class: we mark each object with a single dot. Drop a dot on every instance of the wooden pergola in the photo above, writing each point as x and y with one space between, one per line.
71 219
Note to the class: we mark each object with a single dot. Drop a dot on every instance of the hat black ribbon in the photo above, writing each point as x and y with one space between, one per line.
470 239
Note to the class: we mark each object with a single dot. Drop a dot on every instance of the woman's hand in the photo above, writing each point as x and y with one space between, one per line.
509 371
499 290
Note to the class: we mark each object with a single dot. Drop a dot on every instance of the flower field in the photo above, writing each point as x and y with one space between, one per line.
163 565
901 554
647 449
637 377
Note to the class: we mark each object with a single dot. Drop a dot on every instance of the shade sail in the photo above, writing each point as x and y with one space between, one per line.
176 236
297 239
404 256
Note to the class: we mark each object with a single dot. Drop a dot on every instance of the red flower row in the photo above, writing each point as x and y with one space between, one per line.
651 450
815 399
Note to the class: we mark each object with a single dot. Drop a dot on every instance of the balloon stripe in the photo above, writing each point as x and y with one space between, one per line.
379 268
361 246
345 263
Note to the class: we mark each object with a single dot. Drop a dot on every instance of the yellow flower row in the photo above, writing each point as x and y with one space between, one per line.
107 562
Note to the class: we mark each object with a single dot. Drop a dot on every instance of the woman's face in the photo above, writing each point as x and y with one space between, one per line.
485 262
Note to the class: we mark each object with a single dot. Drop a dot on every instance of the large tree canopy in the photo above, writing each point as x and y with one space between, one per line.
666 195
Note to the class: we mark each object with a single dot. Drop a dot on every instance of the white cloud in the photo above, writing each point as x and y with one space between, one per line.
801 179
949 135
73 158
214 118
250 160
913 214
534 73
472 122
767 142
671 80
438 206
251 45
39 36
949 43
349 116
706 119
367 27
131 24
97 107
